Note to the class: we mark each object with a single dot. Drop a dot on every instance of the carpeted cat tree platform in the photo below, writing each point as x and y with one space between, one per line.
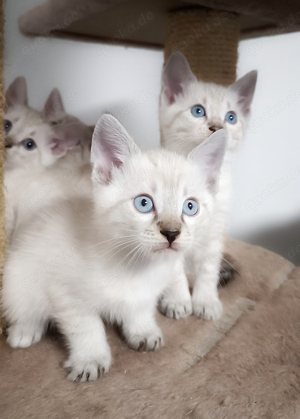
247 365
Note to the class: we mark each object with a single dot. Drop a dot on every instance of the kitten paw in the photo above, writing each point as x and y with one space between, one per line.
82 371
22 336
175 309
150 341
207 309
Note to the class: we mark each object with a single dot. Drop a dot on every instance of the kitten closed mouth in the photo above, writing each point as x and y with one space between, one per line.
166 247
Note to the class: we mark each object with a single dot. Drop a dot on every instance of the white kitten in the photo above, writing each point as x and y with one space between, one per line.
40 159
190 111
81 262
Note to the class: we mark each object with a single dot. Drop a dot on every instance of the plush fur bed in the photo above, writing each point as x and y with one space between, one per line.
247 365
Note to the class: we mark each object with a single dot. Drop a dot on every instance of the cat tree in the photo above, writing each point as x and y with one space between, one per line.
207 33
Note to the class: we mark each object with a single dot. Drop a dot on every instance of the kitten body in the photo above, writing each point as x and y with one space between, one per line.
190 111
83 261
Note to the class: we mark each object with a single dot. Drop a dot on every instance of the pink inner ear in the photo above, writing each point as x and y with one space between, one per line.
106 156
177 75
16 93
54 105
58 147
171 94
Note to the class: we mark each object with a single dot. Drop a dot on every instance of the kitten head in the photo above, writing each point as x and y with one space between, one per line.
36 144
191 110
54 110
149 204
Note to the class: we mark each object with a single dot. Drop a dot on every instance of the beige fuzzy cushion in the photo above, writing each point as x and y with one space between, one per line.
245 366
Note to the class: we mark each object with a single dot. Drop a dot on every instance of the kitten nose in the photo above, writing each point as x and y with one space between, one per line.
214 128
8 142
170 234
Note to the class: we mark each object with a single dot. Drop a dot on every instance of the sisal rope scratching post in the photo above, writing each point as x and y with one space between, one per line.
2 104
209 40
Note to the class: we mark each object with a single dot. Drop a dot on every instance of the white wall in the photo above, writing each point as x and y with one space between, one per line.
95 77
266 196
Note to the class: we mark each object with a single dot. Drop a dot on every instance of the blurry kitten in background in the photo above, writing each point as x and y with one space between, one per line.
40 159
190 112
83 261
54 111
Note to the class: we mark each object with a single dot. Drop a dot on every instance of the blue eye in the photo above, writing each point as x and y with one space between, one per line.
231 117
190 207
143 204
198 111
7 125
29 144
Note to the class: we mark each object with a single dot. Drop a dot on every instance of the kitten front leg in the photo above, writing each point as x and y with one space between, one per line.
25 332
176 300
90 355
24 307
141 331
205 299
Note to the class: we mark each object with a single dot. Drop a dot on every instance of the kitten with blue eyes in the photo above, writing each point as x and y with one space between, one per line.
83 260
40 159
190 112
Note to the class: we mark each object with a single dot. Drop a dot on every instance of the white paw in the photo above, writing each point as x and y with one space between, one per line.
207 308
20 336
148 341
82 371
176 309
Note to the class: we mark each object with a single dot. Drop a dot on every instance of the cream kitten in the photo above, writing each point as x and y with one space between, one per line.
40 160
190 111
81 261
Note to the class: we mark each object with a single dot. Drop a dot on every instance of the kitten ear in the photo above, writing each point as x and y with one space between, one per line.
209 155
54 104
111 146
16 94
65 137
176 76
244 88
